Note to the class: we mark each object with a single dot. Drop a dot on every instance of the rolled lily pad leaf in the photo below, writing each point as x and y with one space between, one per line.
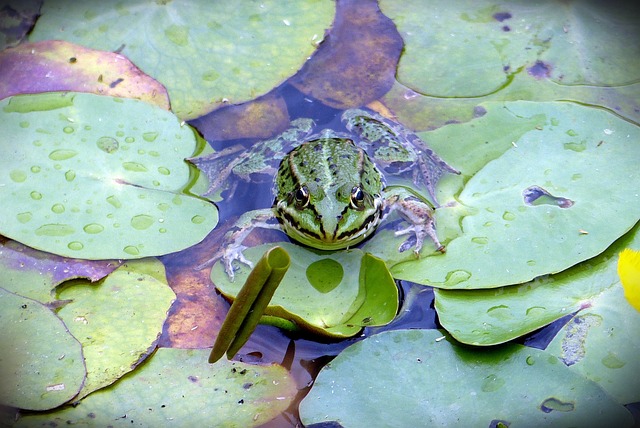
492 316
472 47
34 274
41 364
165 388
16 19
519 215
422 378
56 65
96 177
206 54
250 303
118 320
334 294
356 63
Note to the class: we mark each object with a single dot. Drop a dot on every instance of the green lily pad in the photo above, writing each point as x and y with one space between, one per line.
95 177
56 65
515 218
178 385
118 321
472 47
430 380
492 316
333 294
41 364
206 54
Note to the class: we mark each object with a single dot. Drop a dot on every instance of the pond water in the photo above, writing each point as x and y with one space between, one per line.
504 78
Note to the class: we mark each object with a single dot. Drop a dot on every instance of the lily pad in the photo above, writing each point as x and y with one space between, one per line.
335 294
430 380
601 343
178 385
41 363
515 218
206 54
55 65
97 177
35 274
492 316
118 321
472 47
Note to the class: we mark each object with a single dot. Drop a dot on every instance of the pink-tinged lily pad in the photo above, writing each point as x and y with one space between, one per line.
34 274
55 65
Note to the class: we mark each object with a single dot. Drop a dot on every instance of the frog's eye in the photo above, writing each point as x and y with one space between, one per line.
302 197
357 198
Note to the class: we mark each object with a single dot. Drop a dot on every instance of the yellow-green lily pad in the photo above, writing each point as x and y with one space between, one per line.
96 177
411 378
117 320
178 387
41 364
207 54
329 293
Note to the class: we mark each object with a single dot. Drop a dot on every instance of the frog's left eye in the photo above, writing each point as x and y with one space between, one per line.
357 198
302 197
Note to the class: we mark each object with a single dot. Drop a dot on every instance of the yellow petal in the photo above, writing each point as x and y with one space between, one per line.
629 273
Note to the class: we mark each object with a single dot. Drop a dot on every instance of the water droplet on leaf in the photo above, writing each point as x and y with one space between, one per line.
108 144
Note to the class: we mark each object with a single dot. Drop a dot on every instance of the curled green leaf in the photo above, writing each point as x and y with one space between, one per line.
250 303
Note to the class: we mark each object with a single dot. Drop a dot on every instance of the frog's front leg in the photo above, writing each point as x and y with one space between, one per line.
418 214
231 248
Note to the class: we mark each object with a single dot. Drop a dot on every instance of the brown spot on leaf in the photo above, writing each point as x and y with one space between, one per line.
540 70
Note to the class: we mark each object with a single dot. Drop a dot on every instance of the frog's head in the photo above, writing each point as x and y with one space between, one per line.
328 194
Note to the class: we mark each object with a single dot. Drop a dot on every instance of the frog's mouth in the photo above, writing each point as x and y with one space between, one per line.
336 239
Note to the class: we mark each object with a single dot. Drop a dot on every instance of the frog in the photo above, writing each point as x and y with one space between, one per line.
330 187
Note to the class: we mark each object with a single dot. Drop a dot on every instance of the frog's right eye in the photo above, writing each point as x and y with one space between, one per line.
301 197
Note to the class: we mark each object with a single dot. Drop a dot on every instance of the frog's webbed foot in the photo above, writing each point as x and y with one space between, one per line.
227 255
430 167
420 231
218 166
419 215
231 248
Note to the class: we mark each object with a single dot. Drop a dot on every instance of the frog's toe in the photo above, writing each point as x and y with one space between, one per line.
232 254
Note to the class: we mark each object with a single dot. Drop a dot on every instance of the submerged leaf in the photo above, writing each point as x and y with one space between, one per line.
356 63
95 177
